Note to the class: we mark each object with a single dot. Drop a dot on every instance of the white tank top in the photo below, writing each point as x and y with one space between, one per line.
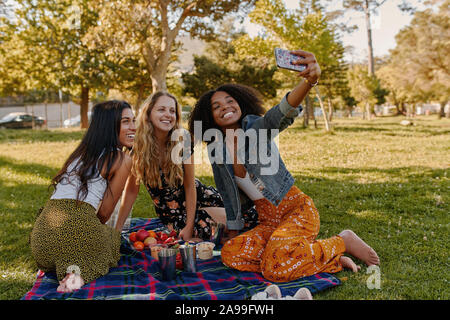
246 185
68 187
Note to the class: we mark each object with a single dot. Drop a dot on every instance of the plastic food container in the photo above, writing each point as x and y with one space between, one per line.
155 249
205 250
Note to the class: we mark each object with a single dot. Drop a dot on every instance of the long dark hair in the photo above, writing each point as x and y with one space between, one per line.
248 99
98 148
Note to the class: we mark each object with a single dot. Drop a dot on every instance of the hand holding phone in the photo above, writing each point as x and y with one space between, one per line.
285 58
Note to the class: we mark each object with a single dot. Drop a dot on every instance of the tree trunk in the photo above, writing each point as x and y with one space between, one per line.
349 111
330 110
84 106
369 38
139 99
306 112
325 118
403 110
447 114
442 110
159 81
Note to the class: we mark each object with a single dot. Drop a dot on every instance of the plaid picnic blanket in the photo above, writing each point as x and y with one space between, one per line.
137 277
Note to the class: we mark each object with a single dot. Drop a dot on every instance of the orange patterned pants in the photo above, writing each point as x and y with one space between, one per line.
283 247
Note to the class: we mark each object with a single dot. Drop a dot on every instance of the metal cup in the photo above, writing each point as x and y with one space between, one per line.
168 262
217 230
189 257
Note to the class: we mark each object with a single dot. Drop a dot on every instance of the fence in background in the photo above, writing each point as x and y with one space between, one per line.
54 113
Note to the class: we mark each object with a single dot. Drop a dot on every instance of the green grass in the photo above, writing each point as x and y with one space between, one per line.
387 182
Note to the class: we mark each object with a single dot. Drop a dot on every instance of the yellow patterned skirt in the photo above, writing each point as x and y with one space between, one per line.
283 247
68 237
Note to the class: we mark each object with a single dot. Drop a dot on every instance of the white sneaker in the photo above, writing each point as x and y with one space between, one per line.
272 292
301 294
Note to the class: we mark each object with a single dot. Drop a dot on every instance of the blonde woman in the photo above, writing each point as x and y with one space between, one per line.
181 201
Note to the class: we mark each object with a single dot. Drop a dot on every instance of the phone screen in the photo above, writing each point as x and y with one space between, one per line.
284 60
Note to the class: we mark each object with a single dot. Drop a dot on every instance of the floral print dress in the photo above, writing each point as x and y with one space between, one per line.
170 206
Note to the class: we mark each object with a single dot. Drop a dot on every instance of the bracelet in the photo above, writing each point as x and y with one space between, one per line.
312 85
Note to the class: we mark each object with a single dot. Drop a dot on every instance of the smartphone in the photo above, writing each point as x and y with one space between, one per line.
285 58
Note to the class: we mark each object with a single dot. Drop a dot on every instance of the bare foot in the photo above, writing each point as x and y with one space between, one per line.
348 263
70 283
358 248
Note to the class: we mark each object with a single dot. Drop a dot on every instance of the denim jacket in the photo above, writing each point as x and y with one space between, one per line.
273 184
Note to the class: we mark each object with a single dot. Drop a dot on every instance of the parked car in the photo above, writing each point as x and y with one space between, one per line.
75 121
21 120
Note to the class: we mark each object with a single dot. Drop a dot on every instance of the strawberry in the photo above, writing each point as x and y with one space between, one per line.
164 236
173 234
169 240
179 263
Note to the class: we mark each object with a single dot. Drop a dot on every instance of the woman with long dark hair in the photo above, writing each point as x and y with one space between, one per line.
70 236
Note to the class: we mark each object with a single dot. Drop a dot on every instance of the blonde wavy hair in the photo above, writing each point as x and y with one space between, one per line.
145 153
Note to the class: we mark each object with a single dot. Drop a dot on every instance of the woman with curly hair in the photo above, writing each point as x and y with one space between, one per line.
284 245
181 201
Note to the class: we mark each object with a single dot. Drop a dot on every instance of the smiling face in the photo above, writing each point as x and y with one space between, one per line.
127 128
225 110
163 116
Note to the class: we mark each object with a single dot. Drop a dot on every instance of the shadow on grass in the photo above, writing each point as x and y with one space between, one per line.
10 288
390 128
18 208
28 167
28 135
360 129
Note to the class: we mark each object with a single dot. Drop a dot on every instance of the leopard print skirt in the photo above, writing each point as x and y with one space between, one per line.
68 237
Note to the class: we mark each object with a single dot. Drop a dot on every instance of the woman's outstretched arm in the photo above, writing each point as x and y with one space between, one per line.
311 74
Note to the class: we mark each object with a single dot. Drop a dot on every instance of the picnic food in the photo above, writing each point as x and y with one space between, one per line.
138 245
133 237
142 234
152 233
205 250
179 263
163 236
154 251
149 240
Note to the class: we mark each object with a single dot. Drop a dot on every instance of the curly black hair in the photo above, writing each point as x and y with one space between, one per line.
248 99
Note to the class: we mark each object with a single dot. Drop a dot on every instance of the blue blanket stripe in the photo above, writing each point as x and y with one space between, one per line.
137 277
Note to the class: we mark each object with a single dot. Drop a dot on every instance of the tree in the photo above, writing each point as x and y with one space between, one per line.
308 28
418 69
389 76
149 28
362 88
221 64
368 7
51 33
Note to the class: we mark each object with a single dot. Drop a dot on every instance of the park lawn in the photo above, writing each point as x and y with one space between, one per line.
388 183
